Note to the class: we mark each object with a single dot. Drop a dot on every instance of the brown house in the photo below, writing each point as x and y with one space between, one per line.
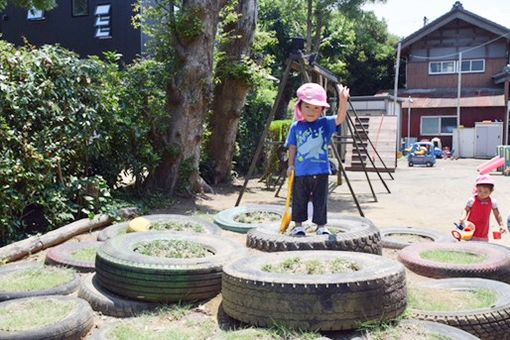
434 54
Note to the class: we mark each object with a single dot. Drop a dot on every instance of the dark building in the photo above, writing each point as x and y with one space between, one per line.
88 27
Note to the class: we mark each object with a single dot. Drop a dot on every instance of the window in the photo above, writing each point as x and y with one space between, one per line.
80 8
448 67
35 14
103 22
439 125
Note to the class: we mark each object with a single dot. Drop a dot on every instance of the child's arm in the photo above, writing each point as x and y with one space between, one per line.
465 215
292 158
499 219
343 92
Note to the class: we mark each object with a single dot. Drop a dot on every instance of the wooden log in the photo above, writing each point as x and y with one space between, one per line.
37 243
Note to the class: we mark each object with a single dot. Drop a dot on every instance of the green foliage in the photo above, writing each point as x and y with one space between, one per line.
279 129
68 128
39 4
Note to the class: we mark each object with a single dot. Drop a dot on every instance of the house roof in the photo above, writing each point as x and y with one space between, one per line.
481 101
457 12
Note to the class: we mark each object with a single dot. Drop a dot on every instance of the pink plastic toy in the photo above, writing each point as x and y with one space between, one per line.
491 165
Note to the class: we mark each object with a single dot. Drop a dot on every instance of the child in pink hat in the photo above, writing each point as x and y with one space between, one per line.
308 141
478 209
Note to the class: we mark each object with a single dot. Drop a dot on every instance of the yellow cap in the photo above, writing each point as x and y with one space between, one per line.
138 224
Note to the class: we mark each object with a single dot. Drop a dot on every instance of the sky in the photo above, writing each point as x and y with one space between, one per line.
406 16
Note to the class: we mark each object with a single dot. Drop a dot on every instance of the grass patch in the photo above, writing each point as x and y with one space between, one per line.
168 323
258 217
274 333
176 226
408 238
35 279
436 299
390 331
172 249
85 255
32 314
295 265
450 256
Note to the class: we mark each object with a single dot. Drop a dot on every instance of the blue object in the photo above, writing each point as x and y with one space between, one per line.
429 159
312 140
459 226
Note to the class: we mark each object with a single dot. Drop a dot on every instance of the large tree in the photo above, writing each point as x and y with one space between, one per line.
233 81
184 34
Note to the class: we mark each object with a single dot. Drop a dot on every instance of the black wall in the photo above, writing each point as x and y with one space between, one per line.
75 33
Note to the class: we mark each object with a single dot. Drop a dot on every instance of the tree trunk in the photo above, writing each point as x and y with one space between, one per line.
309 26
231 91
188 97
316 44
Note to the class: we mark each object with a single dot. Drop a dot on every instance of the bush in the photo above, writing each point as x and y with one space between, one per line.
68 127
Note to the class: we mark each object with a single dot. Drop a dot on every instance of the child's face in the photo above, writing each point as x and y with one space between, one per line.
310 112
484 191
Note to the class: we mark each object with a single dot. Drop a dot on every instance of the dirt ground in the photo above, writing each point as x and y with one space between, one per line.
430 198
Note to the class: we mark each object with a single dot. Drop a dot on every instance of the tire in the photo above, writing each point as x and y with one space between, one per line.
63 289
101 300
434 236
62 256
314 302
121 228
75 326
124 272
357 234
439 330
226 219
411 164
495 266
487 323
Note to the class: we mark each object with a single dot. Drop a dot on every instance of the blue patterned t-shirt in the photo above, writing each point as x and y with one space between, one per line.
312 140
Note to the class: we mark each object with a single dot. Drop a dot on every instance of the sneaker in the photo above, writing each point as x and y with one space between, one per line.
323 231
298 231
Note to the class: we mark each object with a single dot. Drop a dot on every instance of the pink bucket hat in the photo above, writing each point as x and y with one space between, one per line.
310 93
484 179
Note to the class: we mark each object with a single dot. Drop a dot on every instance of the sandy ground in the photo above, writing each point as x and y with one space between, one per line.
430 198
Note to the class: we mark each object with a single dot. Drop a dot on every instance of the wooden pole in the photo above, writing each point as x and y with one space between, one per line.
270 118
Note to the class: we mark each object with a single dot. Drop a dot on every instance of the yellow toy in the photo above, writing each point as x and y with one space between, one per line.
138 224
465 232
287 217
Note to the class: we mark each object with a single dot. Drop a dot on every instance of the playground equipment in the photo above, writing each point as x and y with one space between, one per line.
422 153
491 165
464 232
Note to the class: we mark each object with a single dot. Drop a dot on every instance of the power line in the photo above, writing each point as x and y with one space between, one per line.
463 51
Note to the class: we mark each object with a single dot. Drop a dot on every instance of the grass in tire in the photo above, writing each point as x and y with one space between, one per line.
258 217
172 249
434 299
32 314
84 255
176 226
408 238
33 279
311 267
450 256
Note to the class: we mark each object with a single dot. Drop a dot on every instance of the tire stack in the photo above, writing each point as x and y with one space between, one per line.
127 282
21 308
490 273
326 302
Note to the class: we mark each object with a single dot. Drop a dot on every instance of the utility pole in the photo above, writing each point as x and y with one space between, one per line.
395 95
410 101
459 87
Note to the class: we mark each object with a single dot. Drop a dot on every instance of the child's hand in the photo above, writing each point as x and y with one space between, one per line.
343 92
502 229
289 170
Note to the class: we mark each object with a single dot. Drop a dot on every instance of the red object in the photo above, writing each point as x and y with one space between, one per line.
496 235
479 215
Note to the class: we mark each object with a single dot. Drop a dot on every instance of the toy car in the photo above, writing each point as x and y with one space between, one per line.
422 153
